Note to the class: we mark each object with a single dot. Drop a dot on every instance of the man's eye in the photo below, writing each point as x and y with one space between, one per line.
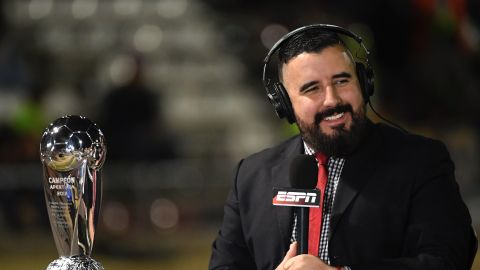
310 89
341 82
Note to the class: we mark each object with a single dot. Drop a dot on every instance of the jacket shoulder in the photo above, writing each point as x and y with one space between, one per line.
277 152
397 141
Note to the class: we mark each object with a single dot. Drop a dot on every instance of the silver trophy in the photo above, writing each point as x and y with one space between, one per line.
72 151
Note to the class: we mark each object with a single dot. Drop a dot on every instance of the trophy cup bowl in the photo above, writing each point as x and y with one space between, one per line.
72 151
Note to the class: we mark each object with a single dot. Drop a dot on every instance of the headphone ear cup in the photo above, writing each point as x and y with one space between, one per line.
365 77
286 103
278 97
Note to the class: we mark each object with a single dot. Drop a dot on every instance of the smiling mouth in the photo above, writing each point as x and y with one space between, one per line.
334 117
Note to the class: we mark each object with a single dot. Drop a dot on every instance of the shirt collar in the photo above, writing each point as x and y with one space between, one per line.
308 149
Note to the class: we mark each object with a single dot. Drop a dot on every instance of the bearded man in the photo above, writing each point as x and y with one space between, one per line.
391 200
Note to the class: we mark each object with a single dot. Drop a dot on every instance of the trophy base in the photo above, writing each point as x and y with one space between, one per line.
75 263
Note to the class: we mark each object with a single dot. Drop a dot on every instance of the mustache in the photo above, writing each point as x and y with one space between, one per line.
338 109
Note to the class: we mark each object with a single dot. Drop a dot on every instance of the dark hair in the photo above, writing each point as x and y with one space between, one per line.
312 40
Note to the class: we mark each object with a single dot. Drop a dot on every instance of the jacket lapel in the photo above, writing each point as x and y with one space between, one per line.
280 176
357 171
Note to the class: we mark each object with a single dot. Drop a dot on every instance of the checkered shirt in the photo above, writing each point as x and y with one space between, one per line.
334 166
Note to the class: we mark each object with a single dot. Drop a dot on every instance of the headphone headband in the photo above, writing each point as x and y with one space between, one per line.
331 27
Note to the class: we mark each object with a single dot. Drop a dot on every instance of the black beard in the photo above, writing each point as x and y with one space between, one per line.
342 142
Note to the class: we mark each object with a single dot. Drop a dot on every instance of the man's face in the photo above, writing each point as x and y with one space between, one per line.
325 94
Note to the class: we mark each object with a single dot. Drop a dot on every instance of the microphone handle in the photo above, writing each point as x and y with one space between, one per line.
302 239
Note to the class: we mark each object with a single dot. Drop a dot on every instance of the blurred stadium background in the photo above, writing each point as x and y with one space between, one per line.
176 87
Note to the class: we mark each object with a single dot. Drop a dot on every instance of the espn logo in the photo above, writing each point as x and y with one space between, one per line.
296 197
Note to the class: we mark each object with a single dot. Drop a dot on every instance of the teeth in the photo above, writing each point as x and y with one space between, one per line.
334 117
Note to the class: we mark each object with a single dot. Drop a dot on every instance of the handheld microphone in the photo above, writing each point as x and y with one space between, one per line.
302 195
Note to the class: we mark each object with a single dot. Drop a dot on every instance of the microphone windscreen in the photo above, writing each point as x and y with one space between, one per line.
304 172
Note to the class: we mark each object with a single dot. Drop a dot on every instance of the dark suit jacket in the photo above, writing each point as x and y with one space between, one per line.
397 206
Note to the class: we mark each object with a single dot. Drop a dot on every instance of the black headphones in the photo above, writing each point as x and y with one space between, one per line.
277 93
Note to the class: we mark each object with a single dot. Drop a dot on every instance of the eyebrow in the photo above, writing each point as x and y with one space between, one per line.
342 75
307 85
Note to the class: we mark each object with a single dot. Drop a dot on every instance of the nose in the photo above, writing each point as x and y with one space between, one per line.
332 98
